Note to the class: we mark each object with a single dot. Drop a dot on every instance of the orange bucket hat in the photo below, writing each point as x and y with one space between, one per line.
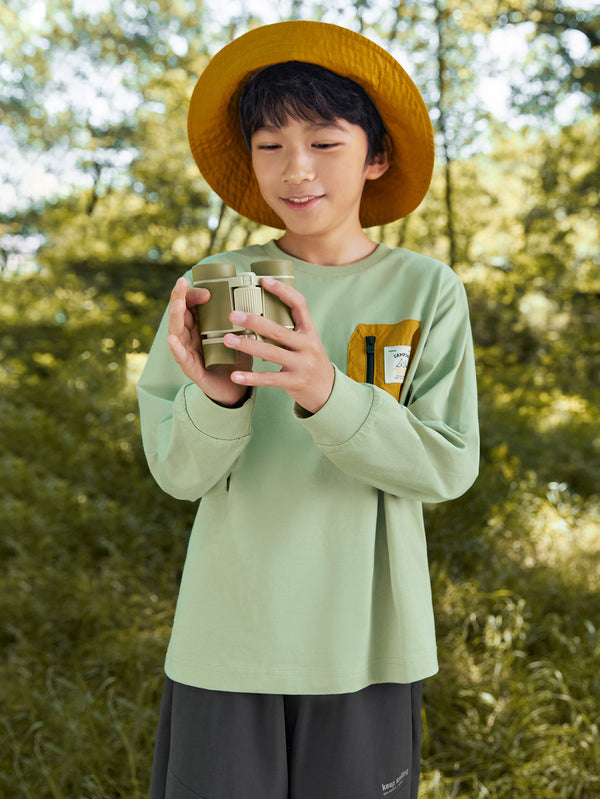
222 155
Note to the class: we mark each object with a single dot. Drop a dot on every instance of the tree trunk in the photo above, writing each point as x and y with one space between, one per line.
440 23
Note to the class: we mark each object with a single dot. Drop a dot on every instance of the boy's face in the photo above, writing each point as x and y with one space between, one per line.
312 174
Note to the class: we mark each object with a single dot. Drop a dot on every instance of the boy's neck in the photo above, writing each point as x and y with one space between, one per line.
325 251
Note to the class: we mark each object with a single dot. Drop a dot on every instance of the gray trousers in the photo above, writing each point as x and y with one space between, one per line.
221 745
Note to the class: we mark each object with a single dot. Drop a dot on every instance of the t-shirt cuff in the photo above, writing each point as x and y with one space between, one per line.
343 414
215 420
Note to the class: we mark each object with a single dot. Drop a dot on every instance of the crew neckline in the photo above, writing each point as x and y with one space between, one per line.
273 250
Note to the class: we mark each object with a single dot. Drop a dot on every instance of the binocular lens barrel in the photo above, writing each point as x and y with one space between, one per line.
273 268
214 271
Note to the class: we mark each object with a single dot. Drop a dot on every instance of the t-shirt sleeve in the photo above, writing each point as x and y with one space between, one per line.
190 442
425 449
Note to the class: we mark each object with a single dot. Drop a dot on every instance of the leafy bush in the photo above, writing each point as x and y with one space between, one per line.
91 554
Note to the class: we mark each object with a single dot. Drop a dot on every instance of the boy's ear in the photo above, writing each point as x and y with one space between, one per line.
380 162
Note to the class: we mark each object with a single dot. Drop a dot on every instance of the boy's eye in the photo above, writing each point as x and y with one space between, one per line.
268 146
325 145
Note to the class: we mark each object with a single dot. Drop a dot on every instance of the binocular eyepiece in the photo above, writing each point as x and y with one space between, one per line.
230 292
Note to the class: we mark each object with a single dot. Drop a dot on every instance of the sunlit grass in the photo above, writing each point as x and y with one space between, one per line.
91 553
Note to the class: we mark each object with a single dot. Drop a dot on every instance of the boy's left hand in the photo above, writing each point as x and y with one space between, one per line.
306 373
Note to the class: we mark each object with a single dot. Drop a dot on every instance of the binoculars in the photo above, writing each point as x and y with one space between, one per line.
230 292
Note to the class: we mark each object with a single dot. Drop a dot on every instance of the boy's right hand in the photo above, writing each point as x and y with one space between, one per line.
184 341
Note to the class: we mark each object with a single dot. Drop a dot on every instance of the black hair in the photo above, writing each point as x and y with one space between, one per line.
309 92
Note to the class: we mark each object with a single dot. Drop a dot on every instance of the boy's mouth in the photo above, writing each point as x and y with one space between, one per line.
302 202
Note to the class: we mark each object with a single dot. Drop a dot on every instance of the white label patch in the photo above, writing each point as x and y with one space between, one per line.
396 363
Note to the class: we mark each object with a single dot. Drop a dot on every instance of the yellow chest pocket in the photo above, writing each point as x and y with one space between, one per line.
382 354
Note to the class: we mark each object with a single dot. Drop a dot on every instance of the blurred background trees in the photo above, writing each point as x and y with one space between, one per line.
94 102
102 207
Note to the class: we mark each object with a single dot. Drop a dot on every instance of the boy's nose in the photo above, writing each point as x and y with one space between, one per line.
298 168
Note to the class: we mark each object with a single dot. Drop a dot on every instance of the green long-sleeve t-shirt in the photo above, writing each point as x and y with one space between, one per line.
307 571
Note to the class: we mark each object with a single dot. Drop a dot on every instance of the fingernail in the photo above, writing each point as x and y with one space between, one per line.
238 316
268 281
230 340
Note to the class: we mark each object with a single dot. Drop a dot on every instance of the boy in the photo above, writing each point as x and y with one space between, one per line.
304 623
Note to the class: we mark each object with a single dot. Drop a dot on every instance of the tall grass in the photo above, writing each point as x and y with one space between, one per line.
91 553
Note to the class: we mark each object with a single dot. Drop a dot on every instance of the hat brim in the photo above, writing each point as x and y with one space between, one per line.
223 157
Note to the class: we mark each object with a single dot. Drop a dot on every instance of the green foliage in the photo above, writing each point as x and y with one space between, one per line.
91 551
80 86
556 65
